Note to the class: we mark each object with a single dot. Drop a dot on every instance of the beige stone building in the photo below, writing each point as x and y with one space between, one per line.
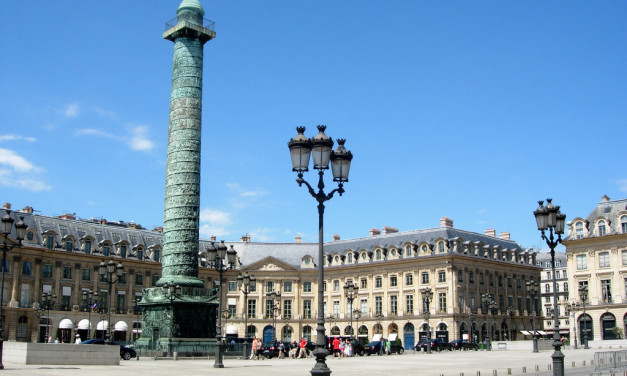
60 256
596 249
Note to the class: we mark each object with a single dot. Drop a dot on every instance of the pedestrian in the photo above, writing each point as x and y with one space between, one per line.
56 340
303 349
253 352
388 347
341 348
78 340
281 350
348 348
336 347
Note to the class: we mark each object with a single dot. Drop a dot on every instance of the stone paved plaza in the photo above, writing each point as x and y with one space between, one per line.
446 363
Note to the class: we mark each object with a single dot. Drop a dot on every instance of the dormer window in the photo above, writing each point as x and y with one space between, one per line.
623 224
69 245
87 246
378 254
123 248
349 257
408 249
106 250
441 247
155 255
140 254
579 230
601 228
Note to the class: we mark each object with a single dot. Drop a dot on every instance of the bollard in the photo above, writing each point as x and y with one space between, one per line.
478 373
573 365
175 355
509 371
549 367
525 369
461 374
537 368
494 372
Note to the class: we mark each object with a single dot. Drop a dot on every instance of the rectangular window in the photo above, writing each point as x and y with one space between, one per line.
47 271
442 302
582 262
287 309
425 278
461 301
252 309
604 260
139 279
232 310
471 277
472 301
624 255
269 286
378 305
393 281
460 276
121 302
481 280
364 307
500 281
287 286
232 286
122 278
363 283
394 305
378 282
491 279
409 304
441 276
307 309
336 308
409 279
25 295
509 282
518 285
306 286
86 274
27 268
67 272
336 285
269 309
606 290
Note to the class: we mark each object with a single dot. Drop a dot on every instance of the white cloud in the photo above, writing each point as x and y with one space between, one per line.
215 217
71 110
104 113
263 234
13 137
207 231
139 139
19 172
94 132
622 185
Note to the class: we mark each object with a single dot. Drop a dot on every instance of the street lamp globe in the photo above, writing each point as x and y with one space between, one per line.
321 149
300 150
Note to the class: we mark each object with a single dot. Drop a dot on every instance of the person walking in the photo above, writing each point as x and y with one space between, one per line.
303 350
388 347
281 350
253 352
336 347
78 340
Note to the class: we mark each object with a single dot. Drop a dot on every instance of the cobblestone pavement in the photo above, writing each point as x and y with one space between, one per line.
456 363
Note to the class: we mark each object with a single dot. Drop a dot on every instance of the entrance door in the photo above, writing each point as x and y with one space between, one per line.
408 337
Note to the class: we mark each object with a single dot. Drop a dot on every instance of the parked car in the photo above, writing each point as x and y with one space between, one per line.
126 352
271 350
463 344
437 344
374 347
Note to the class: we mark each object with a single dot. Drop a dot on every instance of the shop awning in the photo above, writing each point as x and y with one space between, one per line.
231 329
65 324
121 326
83 324
102 325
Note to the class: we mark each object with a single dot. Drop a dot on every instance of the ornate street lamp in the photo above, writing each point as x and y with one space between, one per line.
490 306
107 271
221 259
48 300
472 318
171 292
510 313
275 298
350 291
574 307
532 290
427 296
88 295
583 295
20 231
301 149
549 218
246 284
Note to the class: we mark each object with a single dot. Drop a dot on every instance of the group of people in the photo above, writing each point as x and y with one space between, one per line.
297 349
342 348
48 339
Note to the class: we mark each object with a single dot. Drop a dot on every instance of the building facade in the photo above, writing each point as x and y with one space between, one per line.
543 260
596 250
465 271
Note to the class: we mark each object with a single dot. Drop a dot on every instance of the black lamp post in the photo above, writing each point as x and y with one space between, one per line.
574 307
583 295
510 313
301 149
493 310
20 231
427 296
490 307
275 298
549 218
88 295
223 259
350 291
171 292
532 289
246 284
49 300
357 315
107 271
472 318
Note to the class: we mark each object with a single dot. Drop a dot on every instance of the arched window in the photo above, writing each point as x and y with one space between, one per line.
50 241
408 247
350 257
579 230
601 228
378 254
623 224
69 245
441 247
307 332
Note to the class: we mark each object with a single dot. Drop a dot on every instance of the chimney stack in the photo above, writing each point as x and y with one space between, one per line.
336 237
213 238
491 232
389 230
68 216
28 209
504 235
7 206
446 222
298 239
374 232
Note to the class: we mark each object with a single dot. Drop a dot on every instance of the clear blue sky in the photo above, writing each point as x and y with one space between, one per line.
464 109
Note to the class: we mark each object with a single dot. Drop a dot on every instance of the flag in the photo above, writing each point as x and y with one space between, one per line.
93 306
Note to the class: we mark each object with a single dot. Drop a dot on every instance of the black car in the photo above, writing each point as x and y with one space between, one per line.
271 350
374 347
437 344
463 344
126 352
